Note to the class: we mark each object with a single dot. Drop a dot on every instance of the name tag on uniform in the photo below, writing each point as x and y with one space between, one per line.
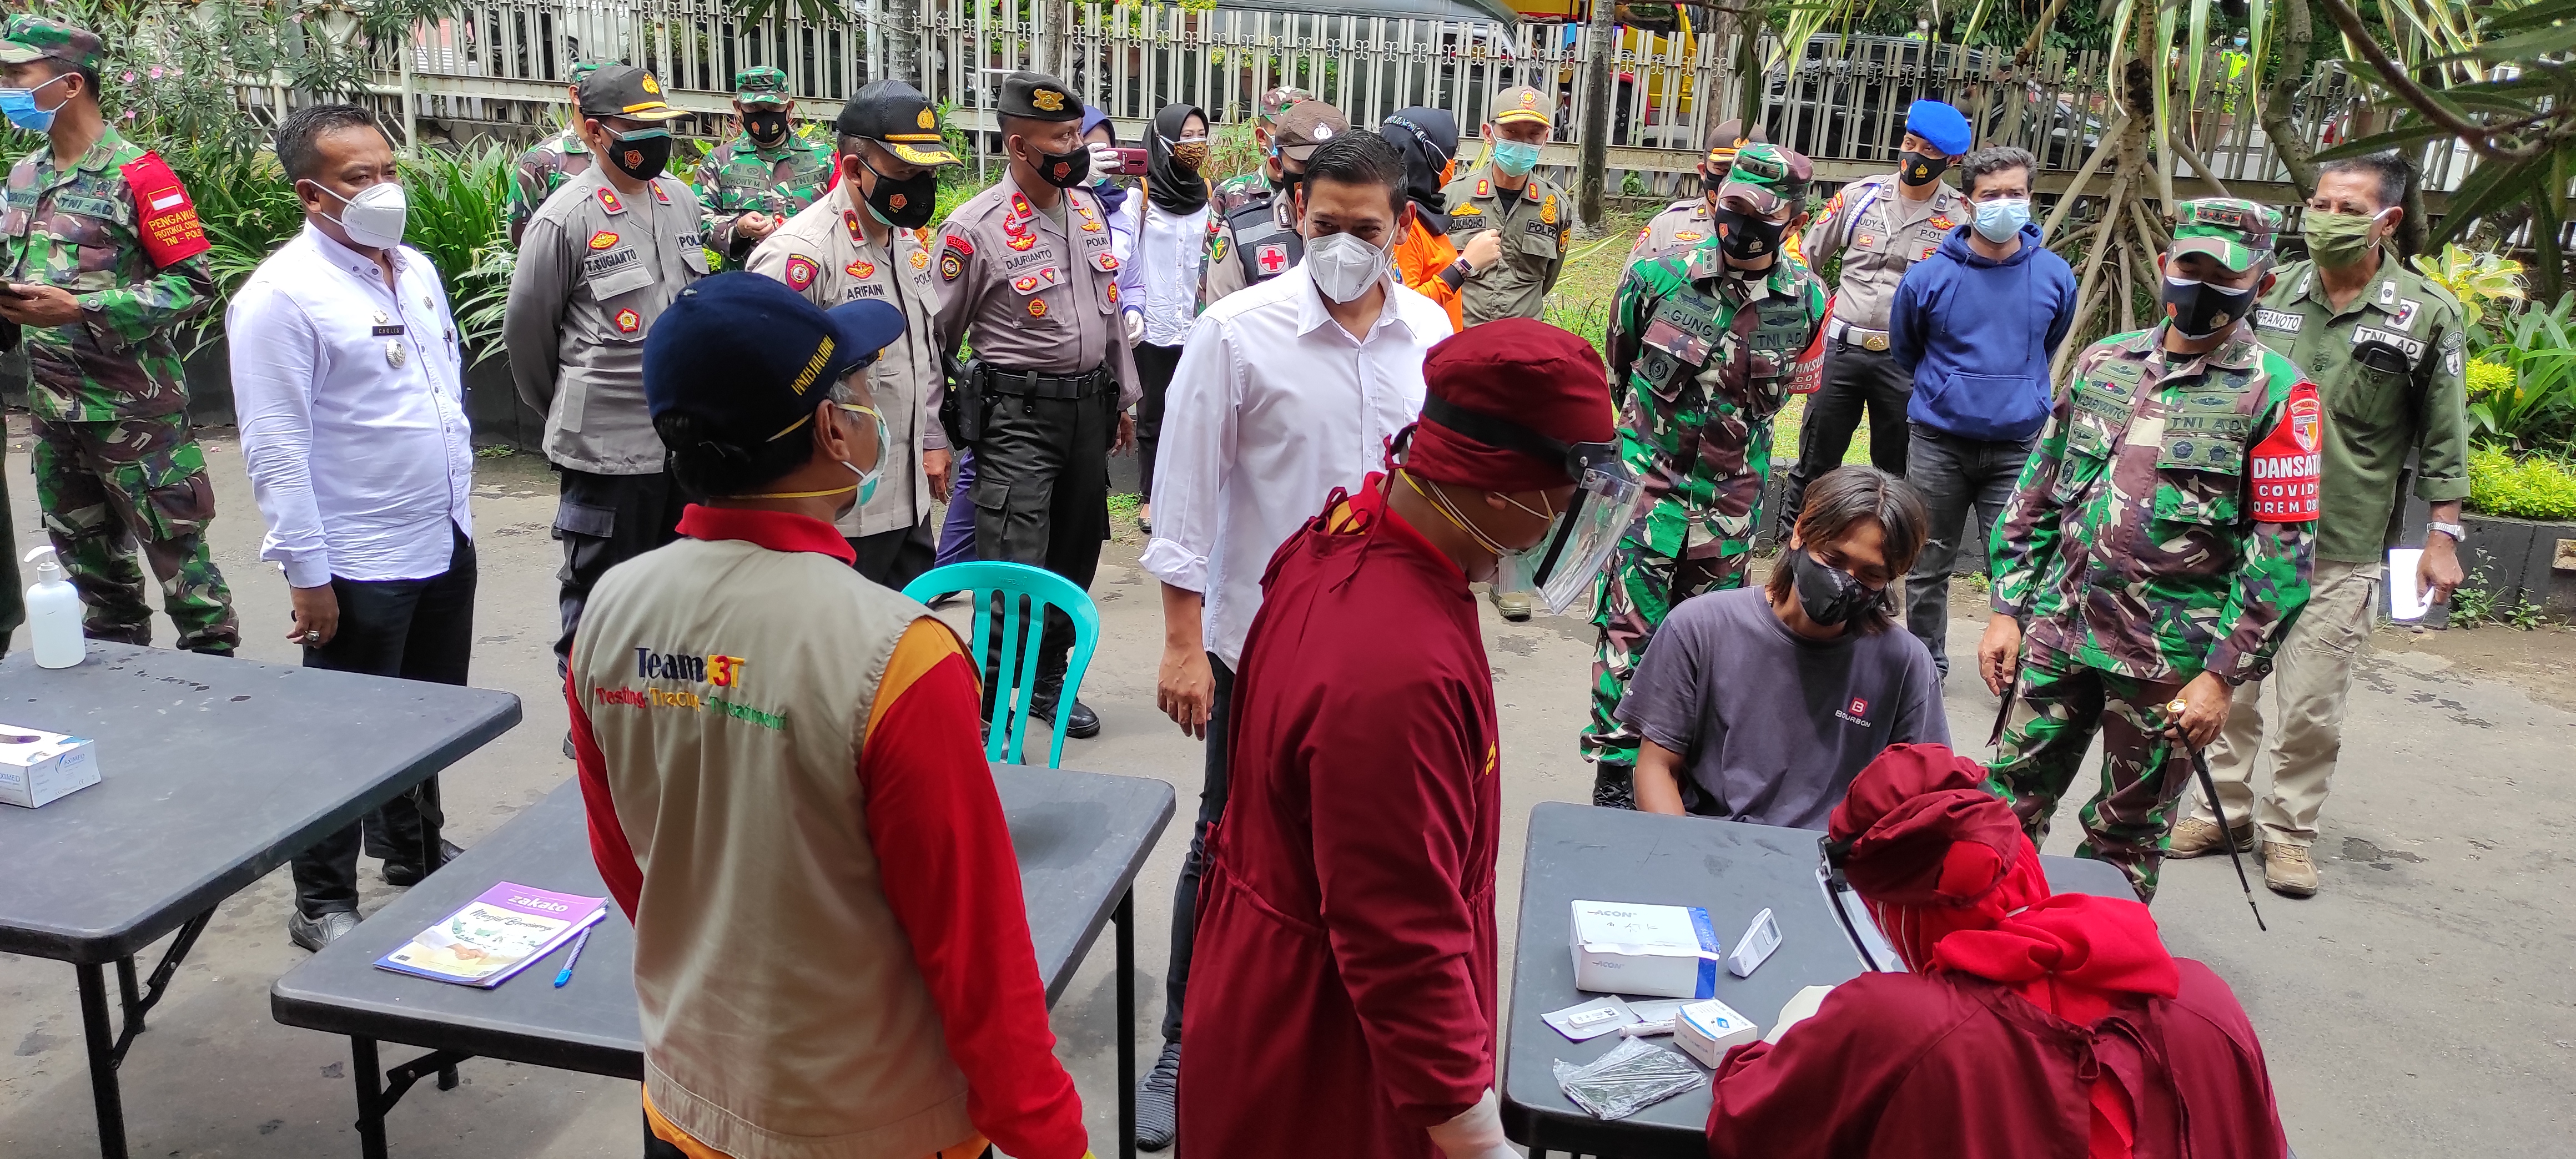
388 331
2283 321
2414 347
1687 348
600 264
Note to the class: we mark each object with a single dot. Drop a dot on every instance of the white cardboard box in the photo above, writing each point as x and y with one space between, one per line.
1659 951
1709 1029
37 768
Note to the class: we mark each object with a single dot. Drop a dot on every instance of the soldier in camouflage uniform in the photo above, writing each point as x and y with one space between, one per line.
1243 189
102 258
555 160
2157 546
751 185
1705 345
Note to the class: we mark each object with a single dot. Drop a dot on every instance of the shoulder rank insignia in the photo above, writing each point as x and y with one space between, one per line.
1484 187
608 200
660 194
850 221
1020 208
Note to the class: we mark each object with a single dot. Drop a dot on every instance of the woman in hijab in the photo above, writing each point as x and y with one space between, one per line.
1158 291
1425 259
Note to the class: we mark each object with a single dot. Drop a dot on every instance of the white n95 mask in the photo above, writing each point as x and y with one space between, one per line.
1343 266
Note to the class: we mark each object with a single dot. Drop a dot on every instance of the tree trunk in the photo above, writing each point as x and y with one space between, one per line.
1592 170
2296 34
904 49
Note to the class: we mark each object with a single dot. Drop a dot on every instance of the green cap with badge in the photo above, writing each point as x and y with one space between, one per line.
37 38
761 85
2233 230
1768 176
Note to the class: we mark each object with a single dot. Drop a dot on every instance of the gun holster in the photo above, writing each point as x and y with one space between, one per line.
962 412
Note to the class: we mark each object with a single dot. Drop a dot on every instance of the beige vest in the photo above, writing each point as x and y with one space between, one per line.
783 1015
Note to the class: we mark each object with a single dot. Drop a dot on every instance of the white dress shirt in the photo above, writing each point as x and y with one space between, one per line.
1273 406
1163 282
352 405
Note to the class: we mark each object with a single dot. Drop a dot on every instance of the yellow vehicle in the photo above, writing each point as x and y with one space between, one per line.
1646 33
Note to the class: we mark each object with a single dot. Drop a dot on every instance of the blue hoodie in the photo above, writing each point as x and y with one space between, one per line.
1977 334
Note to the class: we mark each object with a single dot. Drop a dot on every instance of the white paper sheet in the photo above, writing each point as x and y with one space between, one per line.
2406 602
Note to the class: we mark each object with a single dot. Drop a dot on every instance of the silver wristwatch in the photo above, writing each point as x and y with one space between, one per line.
2457 533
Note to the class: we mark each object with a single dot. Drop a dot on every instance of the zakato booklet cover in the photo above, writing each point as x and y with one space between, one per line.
495 935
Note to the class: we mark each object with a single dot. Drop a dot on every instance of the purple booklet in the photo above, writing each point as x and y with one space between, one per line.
495 935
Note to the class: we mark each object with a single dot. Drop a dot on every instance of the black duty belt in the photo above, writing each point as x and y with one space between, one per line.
1039 384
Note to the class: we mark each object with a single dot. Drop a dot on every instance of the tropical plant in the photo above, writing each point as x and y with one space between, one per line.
2520 487
2538 406
2476 279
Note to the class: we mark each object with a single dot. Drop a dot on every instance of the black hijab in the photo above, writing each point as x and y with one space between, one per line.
1174 190
1427 138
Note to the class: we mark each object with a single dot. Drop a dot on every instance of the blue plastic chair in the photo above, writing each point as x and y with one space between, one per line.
1012 585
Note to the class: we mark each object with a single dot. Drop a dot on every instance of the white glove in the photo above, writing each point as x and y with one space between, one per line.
1477 1132
1104 159
1135 320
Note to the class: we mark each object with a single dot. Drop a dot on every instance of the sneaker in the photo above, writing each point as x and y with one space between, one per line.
2288 871
1515 606
1158 1101
317 932
2193 837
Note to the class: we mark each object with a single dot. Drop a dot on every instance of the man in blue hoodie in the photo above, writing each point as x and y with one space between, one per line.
1975 324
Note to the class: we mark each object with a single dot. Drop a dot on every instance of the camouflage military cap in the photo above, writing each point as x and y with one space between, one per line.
37 38
2235 231
1276 101
761 85
1767 176
582 69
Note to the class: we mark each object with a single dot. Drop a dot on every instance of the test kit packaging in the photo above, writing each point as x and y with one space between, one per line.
1760 938
1707 1030
37 768
1658 951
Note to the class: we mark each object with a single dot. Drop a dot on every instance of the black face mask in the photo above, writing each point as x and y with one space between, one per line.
903 202
638 156
1914 168
1747 237
1828 595
2201 309
1063 170
1708 182
765 127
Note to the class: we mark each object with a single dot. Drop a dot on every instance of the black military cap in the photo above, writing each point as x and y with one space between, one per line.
896 115
1038 97
623 90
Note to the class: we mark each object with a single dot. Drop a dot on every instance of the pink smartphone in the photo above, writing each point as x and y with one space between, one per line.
1129 161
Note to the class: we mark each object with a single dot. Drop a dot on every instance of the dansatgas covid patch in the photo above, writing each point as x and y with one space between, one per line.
2287 465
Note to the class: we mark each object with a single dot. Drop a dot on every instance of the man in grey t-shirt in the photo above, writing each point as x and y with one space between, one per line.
1762 704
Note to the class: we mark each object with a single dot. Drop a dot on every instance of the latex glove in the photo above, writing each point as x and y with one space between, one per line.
1104 159
1135 320
1477 1132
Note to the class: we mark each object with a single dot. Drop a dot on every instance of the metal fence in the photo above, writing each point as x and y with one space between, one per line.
1841 100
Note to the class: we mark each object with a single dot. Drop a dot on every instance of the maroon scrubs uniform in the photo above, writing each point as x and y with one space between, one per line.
1342 997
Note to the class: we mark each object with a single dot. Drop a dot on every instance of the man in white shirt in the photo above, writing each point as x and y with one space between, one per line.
1285 391
351 393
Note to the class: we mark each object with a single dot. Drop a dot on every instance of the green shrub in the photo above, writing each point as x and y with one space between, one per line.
2533 487
2486 379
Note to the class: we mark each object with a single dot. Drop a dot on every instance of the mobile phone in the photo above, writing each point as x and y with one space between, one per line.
1130 161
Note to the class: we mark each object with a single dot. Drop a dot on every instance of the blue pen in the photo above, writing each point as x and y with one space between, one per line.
565 975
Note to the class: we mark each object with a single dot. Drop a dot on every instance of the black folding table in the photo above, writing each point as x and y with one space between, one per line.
1731 869
214 772
1081 838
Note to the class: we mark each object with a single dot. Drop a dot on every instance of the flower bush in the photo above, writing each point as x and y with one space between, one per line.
2528 487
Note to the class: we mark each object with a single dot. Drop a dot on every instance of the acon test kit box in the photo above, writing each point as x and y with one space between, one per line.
40 767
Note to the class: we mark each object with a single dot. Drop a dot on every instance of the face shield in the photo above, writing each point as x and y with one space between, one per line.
1608 500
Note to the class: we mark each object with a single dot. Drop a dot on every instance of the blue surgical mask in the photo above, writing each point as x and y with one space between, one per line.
1515 157
19 105
868 478
1998 221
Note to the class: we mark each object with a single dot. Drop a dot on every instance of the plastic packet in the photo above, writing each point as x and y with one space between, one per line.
1630 1078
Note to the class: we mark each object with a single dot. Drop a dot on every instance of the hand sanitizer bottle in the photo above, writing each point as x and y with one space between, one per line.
53 614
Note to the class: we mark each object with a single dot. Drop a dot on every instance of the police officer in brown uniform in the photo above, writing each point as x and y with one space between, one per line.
1027 277
598 263
866 239
1253 240
1506 195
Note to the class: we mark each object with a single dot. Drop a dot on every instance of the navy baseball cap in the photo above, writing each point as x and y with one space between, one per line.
1945 127
749 358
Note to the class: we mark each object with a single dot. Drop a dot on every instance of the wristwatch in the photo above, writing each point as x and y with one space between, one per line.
2457 533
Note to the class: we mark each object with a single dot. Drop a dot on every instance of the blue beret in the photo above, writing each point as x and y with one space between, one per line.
750 358
1945 127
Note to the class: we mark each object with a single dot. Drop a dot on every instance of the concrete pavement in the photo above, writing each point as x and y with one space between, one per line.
2422 1005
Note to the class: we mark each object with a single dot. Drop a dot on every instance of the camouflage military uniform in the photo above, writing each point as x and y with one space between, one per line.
2162 528
541 171
740 176
1701 358
115 460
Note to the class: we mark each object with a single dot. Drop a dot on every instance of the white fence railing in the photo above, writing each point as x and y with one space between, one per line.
1840 100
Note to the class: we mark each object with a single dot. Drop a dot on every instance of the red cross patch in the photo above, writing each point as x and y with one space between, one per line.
628 321
1272 257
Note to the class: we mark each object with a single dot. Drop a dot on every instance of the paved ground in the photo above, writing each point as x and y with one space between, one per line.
2423 1005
